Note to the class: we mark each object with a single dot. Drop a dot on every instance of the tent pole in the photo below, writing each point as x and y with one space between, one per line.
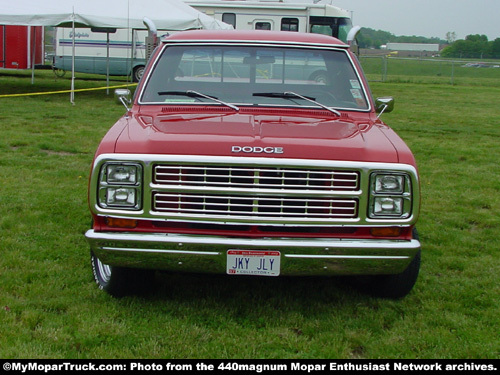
131 46
132 52
33 43
107 63
72 94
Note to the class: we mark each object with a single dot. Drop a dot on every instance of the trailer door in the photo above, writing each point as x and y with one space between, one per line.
2 46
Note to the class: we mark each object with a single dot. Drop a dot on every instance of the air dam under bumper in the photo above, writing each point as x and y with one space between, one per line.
208 254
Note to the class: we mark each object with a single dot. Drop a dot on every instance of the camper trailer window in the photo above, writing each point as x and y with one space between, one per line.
262 26
289 24
229 18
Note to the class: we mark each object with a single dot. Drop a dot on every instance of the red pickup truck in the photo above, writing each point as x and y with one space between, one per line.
254 153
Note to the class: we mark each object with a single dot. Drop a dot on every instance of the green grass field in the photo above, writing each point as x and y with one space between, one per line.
51 308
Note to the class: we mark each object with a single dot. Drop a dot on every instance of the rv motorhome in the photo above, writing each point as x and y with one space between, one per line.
279 15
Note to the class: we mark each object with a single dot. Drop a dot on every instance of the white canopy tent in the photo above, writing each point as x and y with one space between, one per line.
166 14
172 15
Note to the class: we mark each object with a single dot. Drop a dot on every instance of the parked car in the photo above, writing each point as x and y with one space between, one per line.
476 65
254 153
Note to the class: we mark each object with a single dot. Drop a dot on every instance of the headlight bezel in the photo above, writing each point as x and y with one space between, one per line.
390 195
120 178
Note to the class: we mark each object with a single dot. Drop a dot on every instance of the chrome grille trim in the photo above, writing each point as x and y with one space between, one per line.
261 193
275 207
240 177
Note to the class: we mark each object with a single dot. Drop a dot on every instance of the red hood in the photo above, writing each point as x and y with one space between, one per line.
300 135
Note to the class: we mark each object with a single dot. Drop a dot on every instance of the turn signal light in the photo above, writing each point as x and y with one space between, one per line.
121 223
386 232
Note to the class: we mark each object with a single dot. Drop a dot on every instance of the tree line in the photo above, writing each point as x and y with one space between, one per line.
473 46
370 38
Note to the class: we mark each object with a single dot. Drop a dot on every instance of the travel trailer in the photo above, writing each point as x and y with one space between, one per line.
101 51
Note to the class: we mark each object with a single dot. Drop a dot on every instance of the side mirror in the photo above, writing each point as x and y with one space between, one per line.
351 39
123 96
384 104
353 33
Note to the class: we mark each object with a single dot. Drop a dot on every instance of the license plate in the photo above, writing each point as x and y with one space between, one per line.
253 262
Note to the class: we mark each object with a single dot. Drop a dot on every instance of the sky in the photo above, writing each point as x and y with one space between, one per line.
429 18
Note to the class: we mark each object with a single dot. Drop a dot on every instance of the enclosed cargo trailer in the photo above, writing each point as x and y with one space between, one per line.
21 47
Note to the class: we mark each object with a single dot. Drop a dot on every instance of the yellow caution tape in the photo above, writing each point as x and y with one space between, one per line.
67 91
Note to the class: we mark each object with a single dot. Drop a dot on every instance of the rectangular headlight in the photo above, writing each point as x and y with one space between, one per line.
121 197
388 206
121 174
386 183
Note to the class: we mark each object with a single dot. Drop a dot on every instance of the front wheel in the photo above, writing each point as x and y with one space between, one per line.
120 281
396 286
137 73
392 286
58 72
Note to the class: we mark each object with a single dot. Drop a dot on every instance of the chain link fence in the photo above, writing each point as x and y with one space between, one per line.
431 70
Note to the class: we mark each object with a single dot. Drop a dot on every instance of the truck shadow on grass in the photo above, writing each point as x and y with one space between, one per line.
292 306
229 290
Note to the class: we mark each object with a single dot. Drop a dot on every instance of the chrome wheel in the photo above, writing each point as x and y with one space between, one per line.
137 73
104 270
120 281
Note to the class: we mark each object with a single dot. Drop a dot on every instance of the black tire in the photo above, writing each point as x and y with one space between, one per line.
58 72
137 73
396 286
121 281
392 286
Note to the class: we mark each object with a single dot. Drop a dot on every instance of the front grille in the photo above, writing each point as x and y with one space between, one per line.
196 204
242 177
261 194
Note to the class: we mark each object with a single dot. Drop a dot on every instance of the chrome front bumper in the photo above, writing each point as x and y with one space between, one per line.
299 256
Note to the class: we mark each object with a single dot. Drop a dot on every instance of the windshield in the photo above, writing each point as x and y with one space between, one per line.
331 26
233 74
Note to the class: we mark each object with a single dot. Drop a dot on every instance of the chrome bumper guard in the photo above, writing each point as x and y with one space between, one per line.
299 256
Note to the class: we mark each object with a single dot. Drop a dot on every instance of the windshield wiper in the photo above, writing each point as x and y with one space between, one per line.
293 95
196 94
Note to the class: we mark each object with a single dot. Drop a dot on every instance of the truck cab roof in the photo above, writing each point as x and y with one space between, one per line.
250 35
